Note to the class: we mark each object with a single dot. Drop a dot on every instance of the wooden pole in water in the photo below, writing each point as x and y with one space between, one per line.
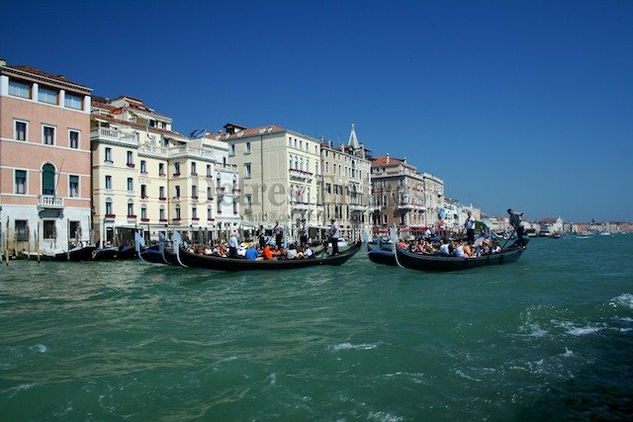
28 235
37 237
67 239
6 236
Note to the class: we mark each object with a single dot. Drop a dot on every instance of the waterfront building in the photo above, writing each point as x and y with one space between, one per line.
346 186
279 169
550 226
147 176
455 214
44 159
403 196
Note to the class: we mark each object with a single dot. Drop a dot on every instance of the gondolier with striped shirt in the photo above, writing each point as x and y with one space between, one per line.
515 222
334 235
470 228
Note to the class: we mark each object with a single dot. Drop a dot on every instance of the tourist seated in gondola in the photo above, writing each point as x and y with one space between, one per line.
496 247
307 252
458 249
444 248
208 250
468 250
241 250
280 252
251 253
267 252
292 252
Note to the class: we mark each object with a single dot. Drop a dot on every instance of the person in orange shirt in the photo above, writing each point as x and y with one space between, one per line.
268 254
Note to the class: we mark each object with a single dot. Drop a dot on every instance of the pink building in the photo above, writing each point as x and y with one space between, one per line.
45 166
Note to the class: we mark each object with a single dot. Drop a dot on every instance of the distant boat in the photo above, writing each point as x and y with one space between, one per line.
605 234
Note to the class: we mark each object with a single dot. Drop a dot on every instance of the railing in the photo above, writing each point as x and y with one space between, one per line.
300 173
187 150
153 149
50 201
112 134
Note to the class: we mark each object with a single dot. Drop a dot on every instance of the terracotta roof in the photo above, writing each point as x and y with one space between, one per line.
34 71
253 132
129 98
388 161
97 104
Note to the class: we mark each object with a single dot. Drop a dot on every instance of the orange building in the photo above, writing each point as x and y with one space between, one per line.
45 167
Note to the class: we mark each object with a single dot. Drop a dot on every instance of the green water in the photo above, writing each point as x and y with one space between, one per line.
550 337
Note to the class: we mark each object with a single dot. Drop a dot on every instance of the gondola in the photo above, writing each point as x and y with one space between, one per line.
381 253
190 259
113 252
77 254
423 262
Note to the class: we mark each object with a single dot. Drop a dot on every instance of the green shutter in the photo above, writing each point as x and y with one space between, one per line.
48 179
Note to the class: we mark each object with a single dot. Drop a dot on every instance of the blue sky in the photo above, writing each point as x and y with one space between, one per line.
526 105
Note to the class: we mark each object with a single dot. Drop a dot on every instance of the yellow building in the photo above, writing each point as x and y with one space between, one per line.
279 169
148 177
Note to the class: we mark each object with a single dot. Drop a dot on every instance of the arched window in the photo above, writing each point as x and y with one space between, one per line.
296 162
48 179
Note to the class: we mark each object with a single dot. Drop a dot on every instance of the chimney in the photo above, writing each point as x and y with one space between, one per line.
404 160
3 62
387 160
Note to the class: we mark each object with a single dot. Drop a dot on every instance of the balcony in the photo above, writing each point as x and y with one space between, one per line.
195 219
50 201
130 165
162 198
109 216
357 207
301 205
300 174
410 206
145 220
131 216
162 220
113 135
187 150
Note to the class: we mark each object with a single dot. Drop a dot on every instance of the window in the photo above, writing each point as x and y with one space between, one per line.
247 169
108 155
21 230
130 184
20 181
73 186
328 188
130 209
209 170
48 179
194 213
47 95
234 206
73 101
48 135
73 139
50 232
108 182
209 193
194 192
20 130
143 212
143 191
130 159
19 88
161 169
161 192
248 148
143 166
108 207
327 167
177 212
193 169
176 169
161 213
75 229
232 149
209 213
177 191
249 201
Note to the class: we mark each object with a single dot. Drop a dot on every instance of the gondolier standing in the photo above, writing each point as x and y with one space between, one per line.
278 230
233 244
303 238
334 235
470 228
515 222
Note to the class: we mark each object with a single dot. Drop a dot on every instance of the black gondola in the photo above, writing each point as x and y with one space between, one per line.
78 254
238 264
113 252
423 262
381 253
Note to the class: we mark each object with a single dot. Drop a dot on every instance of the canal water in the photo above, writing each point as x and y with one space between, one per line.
549 337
